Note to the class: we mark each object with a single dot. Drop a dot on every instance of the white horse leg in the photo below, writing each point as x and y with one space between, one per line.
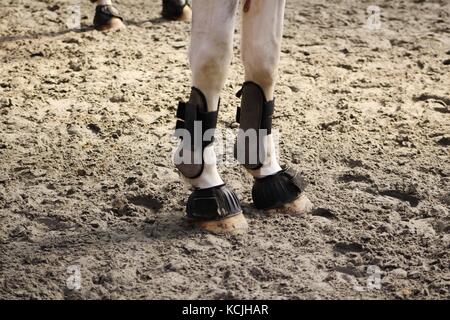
103 2
262 28
210 56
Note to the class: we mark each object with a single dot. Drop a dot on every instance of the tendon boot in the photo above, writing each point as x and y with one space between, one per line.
252 150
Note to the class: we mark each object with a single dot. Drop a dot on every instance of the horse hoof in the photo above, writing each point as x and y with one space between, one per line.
111 25
235 225
216 209
186 15
176 10
107 18
300 206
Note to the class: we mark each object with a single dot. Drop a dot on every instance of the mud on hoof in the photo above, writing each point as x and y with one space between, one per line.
107 18
177 10
281 192
216 210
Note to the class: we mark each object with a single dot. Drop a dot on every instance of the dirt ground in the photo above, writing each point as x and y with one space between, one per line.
87 184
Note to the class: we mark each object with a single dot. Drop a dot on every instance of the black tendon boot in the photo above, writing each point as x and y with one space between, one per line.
255 114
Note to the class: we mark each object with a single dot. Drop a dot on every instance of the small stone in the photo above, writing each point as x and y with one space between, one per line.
116 135
99 224
5 103
73 130
53 7
36 54
72 40
414 275
75 66
118 98
81 172
139 55
366 237
294 88
94 128
130 180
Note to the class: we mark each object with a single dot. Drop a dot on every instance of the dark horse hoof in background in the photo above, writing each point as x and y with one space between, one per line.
107 17
176 10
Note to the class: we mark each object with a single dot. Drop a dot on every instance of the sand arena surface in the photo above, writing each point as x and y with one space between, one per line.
86 178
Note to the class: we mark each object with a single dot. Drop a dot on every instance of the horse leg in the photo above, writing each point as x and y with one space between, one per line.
212 206
262 27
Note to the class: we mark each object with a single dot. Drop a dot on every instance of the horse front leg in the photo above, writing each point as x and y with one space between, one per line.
274 187
212 205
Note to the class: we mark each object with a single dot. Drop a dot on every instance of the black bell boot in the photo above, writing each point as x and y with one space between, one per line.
278 189
107 17
176 10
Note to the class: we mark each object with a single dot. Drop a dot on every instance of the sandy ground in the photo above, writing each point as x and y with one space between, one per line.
86 179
